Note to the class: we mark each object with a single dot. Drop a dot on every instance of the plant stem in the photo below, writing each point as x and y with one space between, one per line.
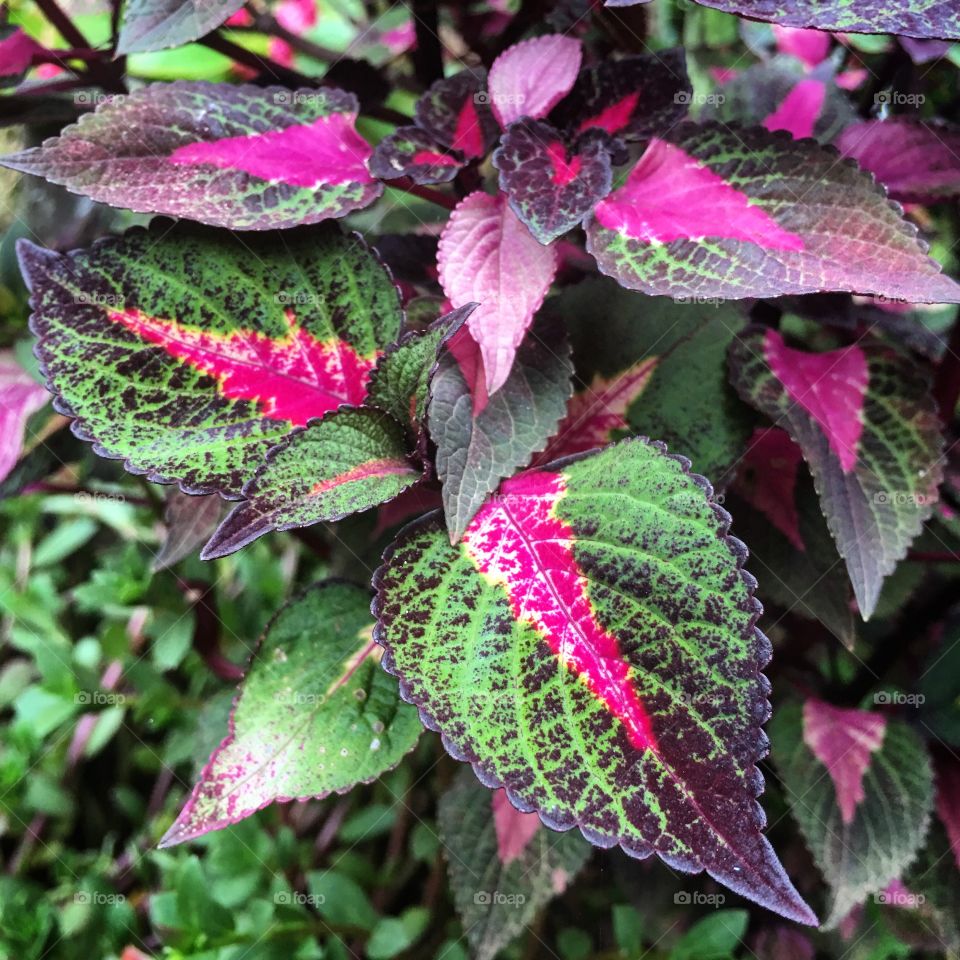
267 23
253 60
65 26
425 193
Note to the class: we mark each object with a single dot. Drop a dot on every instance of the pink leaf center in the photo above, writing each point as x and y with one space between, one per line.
294 378
518 542
564 170
327 151
613 118
671 195
829 386
843 741
364 471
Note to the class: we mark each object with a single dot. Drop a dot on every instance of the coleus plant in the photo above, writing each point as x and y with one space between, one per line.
573 616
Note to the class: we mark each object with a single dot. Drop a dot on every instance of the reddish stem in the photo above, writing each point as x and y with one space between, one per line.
934 556
253 60
425 193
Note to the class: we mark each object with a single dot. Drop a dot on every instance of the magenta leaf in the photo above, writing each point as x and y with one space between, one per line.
713 211
17 50
504 866
488 256
551 187
913 18
565 649
455 112
867 828
782 95
412 152
531 77
768 478
877 474
315 715
157 24
20 396
273 158
811 47
351 460
844 741
197 388
916 160
633 98
476 449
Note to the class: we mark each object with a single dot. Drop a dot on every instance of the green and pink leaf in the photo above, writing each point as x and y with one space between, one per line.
241 157
877 474
350 461
197 388
315 715
720 212
602 665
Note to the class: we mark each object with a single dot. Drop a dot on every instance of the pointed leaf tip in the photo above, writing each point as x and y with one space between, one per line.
572 622
315 715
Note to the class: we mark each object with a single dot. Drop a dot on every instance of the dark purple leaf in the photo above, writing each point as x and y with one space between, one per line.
551 187
412 152
633 98
869 430
456 113
912 18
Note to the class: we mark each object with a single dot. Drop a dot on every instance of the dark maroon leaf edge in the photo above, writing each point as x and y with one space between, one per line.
26 248
763 651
